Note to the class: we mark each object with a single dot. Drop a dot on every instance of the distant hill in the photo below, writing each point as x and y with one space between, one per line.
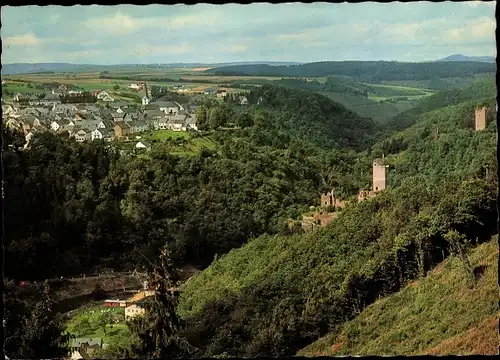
26 68
364 71
460 57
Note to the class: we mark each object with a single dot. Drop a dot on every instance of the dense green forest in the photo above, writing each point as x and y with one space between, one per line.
74 207
366 71
279 293
272 290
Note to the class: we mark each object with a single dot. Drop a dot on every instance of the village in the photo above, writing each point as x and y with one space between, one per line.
101 118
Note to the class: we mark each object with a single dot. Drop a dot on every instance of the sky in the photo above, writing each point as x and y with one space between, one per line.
204 33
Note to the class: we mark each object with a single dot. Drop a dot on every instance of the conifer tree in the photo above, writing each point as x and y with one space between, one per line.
157 332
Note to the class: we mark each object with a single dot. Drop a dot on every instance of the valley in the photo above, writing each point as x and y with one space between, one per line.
221 182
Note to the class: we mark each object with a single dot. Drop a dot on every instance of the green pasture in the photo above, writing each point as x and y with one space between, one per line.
97 321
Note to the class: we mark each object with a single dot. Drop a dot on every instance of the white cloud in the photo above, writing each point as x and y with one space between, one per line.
482 29
234 48
116 25
20 40
122 24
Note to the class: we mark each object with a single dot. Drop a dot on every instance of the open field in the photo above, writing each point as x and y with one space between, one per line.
179 143
98 321
201 69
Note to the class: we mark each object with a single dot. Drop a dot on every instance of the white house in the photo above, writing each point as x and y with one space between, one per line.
82 135
167 107
176 123
134 87
119 110
96 135
162 123
100 134
143 145
145 100
243 100
108 98
133 310
191 122
102 94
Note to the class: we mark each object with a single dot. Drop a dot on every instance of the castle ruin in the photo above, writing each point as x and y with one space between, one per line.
320 218
379 180
480 119
329 199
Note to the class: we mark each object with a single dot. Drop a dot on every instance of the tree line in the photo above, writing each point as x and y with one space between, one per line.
366 71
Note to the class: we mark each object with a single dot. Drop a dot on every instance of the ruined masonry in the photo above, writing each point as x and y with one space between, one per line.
320 218
480 119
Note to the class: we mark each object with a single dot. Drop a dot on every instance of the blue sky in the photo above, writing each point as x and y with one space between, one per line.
204 33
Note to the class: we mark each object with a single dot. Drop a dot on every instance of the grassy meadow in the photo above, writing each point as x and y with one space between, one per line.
181 143
98 321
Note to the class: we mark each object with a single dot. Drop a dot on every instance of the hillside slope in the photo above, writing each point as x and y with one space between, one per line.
441 314
357 96
314 118
278 294
481 89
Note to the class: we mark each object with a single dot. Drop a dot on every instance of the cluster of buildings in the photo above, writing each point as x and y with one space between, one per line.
97 121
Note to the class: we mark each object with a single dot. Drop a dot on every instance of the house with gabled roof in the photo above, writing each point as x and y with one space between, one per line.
81 135
243 100
138 126
90 124
105 124
177 123
102 134
121 129
143 145
108 98
102 94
